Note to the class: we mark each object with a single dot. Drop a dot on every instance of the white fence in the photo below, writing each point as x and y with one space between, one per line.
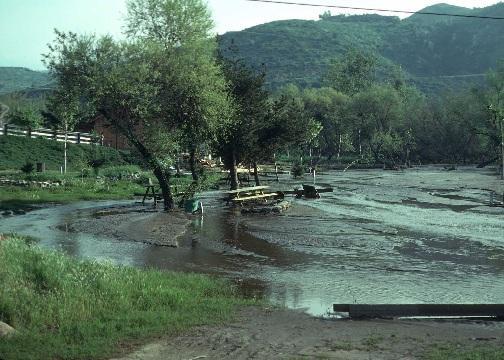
72 137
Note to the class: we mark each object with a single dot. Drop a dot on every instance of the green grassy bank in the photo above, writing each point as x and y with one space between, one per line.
113 183
73 188
15 151
69 309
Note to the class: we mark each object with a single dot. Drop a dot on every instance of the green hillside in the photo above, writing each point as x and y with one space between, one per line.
435 51
16 151
14 79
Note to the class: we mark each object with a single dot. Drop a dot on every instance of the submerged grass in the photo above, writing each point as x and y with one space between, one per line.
69 309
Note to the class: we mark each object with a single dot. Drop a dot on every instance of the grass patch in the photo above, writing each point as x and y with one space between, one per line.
15 151
112 185
69 309
449 351
13 197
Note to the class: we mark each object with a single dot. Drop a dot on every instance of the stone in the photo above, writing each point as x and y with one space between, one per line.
6 330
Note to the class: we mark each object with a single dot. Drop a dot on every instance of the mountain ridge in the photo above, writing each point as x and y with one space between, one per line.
425 46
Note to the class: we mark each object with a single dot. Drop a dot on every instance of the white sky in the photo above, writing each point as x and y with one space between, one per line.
26 26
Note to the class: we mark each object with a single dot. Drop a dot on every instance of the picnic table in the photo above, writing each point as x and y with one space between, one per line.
249 194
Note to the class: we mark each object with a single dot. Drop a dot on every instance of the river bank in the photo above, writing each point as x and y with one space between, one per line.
63 308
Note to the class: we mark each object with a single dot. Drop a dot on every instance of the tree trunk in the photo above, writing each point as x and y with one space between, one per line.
65 150
339 147
161 174
233 174
164 183
256 175
192 164
360 144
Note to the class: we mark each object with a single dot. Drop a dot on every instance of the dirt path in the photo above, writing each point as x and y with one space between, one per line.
287 334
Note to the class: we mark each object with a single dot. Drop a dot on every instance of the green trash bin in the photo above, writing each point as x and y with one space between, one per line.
191 205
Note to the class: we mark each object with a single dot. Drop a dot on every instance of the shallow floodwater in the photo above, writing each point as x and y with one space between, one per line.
418 236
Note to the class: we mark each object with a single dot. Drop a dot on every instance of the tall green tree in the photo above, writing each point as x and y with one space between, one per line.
240 143
147 87
495 101
194 89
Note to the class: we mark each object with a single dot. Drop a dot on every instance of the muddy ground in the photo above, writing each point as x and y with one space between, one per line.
419 236
262 333
131 223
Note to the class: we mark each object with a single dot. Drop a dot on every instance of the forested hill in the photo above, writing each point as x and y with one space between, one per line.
14 79
434 51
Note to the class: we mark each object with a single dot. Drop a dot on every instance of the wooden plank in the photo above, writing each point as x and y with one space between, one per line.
414 310
247 189
253 197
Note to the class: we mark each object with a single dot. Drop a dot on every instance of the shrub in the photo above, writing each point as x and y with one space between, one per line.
122 172
297 170
28 167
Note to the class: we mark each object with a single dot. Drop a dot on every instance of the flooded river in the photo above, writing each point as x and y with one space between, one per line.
418 236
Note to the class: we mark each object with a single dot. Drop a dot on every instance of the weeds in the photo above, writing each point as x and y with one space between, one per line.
68 309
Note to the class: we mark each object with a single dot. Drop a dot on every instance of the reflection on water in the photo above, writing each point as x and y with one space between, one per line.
381 237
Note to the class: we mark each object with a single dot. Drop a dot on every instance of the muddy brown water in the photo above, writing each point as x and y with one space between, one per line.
418 236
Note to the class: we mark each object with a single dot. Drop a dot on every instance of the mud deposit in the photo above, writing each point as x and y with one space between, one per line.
417 236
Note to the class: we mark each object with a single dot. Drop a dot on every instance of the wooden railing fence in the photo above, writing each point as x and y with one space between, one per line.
58 135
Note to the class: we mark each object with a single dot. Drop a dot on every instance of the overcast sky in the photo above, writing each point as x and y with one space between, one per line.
26 26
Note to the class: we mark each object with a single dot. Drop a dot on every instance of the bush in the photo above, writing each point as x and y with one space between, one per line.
297 170
28 168
128 172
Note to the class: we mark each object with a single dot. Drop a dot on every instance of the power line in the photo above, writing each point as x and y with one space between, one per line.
377 10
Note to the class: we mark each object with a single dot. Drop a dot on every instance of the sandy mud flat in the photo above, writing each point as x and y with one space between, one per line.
262 333
133 224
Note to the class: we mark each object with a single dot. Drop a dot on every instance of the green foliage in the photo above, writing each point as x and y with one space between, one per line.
122 172
352 73
74 187
301 51
16 151
387 147
174 23
26 117
297 170
69 309
28 168
163 80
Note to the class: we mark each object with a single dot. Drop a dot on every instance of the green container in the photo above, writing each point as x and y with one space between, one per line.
191 205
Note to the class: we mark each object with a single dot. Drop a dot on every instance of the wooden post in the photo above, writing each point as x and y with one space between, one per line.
6 129
78 138
276 172
28 132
